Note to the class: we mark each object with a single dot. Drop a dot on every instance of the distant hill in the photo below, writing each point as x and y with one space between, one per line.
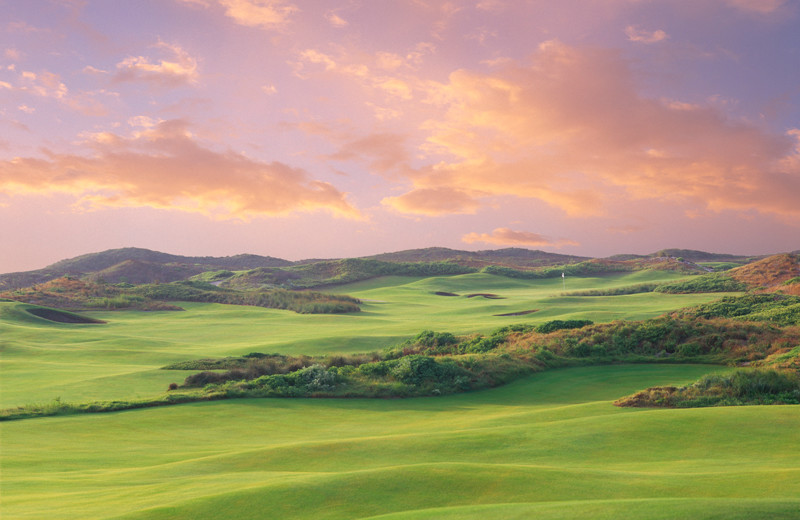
703 256
139 271
691 255
136 265
105 259
512 257
139 266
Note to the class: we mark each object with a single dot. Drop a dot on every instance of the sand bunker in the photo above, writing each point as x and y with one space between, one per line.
60 316
520 313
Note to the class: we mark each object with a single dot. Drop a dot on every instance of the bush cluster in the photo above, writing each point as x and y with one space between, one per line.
617 291
742 387
554 271
336 272
780 309
554 325
707 283
301 302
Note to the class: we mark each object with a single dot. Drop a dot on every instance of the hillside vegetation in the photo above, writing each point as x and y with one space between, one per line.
433 364
772 274
136 265
751 387
338 272
69 293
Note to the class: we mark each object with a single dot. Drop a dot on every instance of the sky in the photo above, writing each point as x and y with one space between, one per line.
340 128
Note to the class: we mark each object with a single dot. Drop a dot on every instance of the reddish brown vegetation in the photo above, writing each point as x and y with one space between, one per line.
769 274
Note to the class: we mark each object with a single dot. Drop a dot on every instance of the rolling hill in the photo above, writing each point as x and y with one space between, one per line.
138 266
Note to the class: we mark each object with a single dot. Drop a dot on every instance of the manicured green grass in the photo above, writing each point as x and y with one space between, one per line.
550 446
43 360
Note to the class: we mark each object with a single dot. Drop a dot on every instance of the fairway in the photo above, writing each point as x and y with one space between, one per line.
549 446
43 360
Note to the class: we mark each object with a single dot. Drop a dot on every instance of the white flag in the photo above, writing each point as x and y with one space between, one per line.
562 275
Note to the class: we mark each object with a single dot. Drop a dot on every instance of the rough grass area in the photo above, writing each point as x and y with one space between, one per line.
775 308
769 274
708 283
743 387
70 293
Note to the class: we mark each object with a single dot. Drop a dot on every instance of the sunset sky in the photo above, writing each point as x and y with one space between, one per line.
319 129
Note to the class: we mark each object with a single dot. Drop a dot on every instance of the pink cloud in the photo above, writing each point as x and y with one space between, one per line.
569 128
166 167
267 14
509 237
179 69
383 153
433 202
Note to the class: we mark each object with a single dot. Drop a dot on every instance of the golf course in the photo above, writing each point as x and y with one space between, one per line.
547 445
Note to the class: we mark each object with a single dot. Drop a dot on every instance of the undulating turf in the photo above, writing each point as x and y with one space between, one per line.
550 446
43 360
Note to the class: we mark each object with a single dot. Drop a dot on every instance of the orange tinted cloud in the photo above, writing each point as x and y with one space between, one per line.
253 13
383 152
569 128
45 84
165 167
433 202
268 14
179 69
508 237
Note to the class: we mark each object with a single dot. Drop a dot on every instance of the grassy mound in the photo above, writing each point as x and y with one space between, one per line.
707 283
743 387
776 308
769 274
617 291
71 293
301 302
337 272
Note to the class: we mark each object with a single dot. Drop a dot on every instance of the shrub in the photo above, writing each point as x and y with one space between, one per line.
715 282
554 325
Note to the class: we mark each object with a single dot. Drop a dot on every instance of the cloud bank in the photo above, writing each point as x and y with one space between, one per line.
509 237
569 128
165 167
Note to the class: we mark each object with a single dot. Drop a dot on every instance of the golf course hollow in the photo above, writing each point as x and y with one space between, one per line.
490 296
520 313
60 316
444 293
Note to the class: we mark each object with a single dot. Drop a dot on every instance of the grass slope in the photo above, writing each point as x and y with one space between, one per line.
551 446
